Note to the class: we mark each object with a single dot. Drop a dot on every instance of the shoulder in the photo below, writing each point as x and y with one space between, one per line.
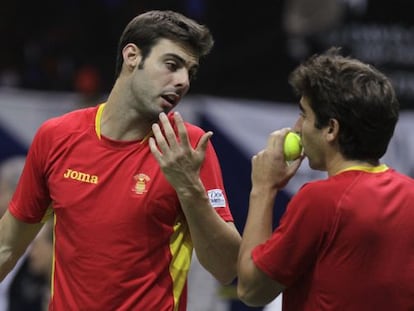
316 187
393 174
321 194
329 186
71 119
68 122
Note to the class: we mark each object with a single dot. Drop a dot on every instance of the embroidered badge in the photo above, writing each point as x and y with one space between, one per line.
216 197
141 181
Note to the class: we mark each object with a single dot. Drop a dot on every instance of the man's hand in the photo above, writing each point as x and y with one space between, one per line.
178 160
269 167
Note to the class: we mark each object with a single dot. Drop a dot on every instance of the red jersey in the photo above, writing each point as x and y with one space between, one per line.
121 239
345 243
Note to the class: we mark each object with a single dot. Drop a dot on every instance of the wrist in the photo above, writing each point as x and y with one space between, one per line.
191 190
263 191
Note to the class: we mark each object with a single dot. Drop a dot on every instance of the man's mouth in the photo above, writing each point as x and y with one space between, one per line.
171 98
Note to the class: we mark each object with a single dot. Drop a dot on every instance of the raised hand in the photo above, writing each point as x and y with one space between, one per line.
269 167
179 161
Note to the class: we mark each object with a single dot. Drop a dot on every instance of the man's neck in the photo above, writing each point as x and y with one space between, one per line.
123 123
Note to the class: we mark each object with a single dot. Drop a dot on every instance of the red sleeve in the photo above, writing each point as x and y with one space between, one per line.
31 198
295 244
212 179
211 175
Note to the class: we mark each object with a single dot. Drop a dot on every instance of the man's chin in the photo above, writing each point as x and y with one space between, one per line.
154 116
166 110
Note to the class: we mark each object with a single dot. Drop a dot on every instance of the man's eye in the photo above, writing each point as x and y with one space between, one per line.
172 66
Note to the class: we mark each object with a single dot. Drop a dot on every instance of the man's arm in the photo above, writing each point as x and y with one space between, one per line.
15 236
270 172
254 287
215 241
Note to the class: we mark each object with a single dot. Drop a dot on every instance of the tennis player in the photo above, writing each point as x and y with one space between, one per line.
345 242
133 188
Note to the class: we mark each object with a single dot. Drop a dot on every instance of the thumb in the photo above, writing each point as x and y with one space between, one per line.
294 166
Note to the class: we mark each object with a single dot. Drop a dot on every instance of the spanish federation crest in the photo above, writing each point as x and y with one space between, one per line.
141 181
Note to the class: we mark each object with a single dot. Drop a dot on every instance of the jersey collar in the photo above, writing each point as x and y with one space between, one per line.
368 169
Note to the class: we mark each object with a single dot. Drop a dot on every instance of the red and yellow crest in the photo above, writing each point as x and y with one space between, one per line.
141 181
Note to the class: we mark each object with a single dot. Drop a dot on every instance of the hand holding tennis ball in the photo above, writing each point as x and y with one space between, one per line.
292 147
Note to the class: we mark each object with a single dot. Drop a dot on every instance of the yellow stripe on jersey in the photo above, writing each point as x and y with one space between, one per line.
98 120
181 248
52 278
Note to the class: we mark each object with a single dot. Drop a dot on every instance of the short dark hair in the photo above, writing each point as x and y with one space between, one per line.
356 94
146 29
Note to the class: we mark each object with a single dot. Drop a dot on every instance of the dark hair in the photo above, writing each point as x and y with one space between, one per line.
359 96
146 29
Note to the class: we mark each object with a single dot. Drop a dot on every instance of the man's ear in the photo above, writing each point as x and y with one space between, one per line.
332 130
132 56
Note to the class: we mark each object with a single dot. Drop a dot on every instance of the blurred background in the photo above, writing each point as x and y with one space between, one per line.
69 45
57 56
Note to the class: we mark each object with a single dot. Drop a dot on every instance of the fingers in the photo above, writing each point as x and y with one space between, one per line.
159 140
202 144
293 166
169 131
165 138
276 139
170 136
182 131
183 134
179 161
154 149
269 166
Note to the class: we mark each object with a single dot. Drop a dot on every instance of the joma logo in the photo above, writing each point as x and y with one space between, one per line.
79 176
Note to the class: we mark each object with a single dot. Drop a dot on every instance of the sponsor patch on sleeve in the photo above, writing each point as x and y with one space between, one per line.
216 197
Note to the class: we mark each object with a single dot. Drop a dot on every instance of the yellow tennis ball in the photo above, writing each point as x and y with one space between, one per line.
292 147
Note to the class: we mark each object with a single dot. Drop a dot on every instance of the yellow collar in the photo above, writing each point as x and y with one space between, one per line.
98 120
369 169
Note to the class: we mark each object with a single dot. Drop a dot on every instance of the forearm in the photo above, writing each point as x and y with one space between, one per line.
258 227
15 236
216 242
254 287
8 253
7 262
